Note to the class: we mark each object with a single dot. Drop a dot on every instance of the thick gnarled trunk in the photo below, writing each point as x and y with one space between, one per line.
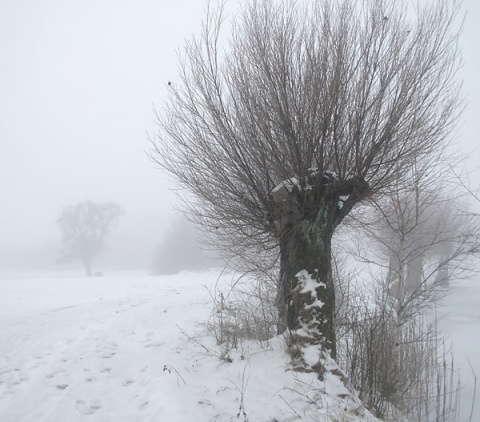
308 295
305 218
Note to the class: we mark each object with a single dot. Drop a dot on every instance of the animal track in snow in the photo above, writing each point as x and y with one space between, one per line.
108 350
88 408
10 379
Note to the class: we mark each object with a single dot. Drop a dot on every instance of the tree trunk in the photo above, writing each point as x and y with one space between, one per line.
415 273
87 263
306 291
304 219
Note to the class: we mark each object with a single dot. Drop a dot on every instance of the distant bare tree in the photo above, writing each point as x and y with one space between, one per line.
84 227
408 251
308 109
424 238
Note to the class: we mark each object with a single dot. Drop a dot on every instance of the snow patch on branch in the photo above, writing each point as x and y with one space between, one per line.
294 182
288 184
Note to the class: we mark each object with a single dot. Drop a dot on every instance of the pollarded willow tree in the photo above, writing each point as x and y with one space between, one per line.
306 109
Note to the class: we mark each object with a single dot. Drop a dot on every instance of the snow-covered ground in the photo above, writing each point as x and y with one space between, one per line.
459 315
135 348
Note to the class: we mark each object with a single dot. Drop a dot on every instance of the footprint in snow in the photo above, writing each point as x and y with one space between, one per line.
11 377
108 351
88 408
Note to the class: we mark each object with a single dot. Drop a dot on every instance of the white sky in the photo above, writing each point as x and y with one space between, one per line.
78 80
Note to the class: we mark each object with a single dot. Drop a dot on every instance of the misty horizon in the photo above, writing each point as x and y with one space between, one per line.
79 89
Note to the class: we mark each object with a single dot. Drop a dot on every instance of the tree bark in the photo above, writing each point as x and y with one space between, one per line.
307 290
415 273
304 219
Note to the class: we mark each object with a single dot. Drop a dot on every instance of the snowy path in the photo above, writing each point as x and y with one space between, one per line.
92 347
112 349
135 349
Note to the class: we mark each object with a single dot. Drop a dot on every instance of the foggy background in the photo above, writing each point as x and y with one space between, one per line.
78 82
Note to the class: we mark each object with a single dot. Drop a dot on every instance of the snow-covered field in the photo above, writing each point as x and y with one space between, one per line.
135 348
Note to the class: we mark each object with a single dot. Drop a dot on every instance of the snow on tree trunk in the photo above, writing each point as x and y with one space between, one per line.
305 219
306 278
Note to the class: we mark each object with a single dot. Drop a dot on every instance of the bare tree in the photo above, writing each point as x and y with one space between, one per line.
305 111
84 227
422 238
410 249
